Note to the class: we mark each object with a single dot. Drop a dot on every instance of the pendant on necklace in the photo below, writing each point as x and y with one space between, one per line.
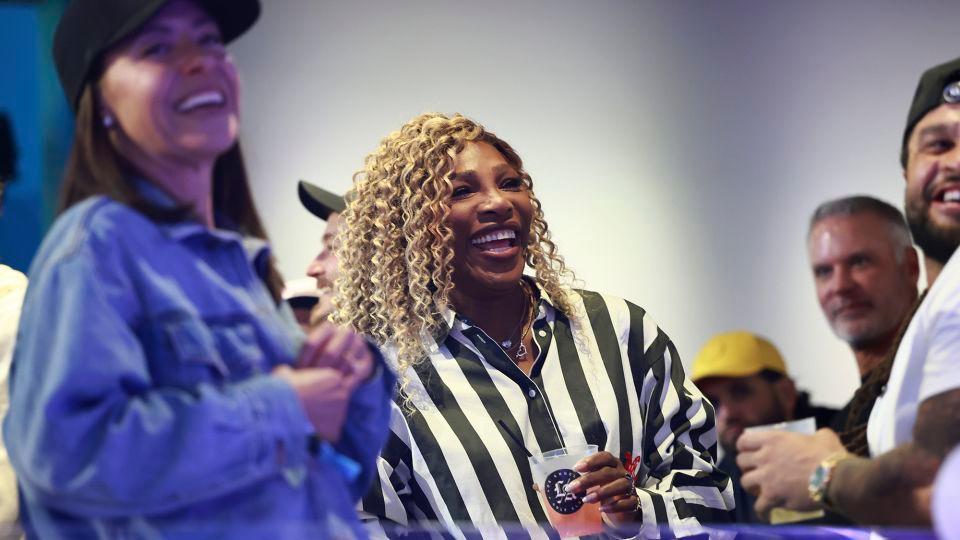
506 343
521 352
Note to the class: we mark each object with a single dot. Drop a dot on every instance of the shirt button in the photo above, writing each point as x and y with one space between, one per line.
543 333
532 393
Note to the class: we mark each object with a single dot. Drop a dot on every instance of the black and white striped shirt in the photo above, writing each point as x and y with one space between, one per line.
615 381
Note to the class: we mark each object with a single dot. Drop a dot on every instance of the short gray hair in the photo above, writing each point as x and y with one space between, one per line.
865 204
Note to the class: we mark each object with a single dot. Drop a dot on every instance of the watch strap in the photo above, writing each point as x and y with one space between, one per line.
821 477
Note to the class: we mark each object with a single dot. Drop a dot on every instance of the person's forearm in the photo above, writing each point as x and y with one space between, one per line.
887 490
894 488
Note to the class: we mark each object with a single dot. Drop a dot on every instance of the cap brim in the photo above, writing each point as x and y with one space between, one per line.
319 201
303 302
305 287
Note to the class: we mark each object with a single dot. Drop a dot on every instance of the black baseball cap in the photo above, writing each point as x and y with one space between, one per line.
319 201
89 27
938 85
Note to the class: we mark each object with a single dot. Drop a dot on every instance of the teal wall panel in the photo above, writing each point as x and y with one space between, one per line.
30 95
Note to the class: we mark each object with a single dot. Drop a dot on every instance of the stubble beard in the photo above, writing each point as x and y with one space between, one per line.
937 242
858 340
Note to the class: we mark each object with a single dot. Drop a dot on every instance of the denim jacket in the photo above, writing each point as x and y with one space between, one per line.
141 400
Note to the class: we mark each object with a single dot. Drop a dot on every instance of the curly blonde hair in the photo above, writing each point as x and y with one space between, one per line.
395 254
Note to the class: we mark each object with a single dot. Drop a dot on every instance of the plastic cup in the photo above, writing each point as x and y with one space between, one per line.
805 426
568 514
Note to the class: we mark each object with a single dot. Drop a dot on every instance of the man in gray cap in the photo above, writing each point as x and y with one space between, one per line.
328 207
916 419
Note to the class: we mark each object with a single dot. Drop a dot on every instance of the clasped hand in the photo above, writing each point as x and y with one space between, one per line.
332 363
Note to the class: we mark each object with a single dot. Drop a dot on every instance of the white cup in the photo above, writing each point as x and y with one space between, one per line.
804 426
553 471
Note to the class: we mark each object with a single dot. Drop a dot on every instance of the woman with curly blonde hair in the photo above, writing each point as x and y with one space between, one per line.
440 226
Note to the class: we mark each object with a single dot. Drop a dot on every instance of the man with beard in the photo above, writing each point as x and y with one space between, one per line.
745 378
916 420
328 207
865 272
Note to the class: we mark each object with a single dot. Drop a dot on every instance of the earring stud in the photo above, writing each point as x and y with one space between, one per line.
107 121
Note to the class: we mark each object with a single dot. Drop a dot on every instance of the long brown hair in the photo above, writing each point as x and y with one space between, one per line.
96 168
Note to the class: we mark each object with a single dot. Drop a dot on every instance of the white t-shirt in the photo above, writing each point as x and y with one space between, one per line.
927 363
13 285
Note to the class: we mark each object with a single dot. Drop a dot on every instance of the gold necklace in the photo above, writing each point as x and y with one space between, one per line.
507 344
527 322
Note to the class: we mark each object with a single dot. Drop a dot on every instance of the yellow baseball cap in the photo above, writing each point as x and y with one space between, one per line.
736 354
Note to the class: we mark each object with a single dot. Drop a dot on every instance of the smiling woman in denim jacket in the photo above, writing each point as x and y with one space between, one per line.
159 387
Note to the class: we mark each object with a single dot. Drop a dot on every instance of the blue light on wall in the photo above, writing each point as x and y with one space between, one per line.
41 123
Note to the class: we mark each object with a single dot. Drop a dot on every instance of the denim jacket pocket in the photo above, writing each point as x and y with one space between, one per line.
217 351
195 349
240 349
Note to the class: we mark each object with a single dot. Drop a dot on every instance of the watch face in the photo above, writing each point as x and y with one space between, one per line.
819 475
561 501
817 483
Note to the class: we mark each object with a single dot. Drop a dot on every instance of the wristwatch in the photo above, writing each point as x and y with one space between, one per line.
821 476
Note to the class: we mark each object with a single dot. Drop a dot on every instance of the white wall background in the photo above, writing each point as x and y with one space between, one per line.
678 147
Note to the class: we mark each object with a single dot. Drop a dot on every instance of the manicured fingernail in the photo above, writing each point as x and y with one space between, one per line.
571 487
580 466
590 498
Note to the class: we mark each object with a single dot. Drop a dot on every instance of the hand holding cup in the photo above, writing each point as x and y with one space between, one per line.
605 480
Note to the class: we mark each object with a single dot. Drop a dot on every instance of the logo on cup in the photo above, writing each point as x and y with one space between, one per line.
560 500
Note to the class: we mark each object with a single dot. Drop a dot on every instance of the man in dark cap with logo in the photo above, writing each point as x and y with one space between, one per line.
916 419
328 207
